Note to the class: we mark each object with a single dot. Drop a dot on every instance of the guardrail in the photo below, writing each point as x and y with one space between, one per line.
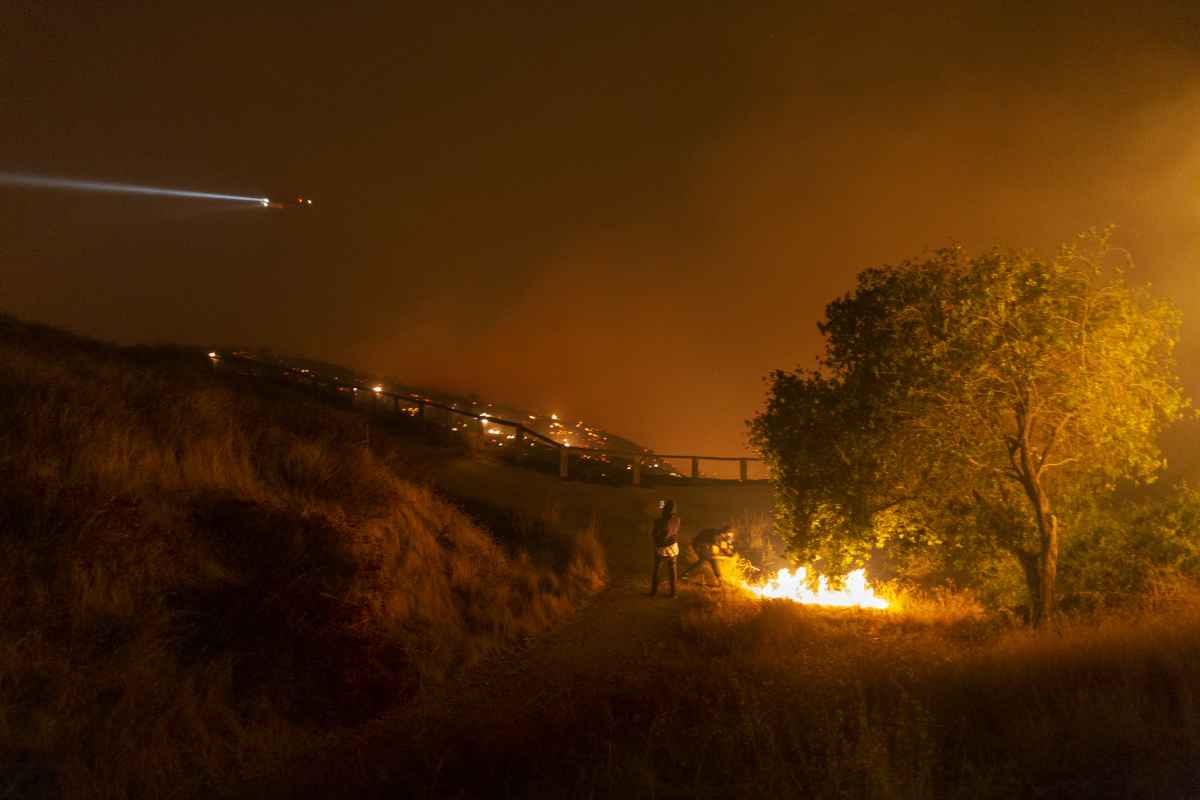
521 430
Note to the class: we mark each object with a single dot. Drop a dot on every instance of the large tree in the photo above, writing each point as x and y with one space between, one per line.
962 401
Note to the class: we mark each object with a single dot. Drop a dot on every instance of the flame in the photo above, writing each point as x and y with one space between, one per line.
794 586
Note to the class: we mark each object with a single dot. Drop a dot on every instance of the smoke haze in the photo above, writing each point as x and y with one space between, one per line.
626 214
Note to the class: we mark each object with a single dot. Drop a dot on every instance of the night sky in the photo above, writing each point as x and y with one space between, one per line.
628 213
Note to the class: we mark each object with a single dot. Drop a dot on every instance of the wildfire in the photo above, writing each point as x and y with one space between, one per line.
794 586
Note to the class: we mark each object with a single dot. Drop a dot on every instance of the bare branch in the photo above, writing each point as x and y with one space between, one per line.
1062 423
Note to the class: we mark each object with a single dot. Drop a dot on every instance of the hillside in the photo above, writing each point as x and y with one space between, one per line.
219 586
717 695
577 433
201 572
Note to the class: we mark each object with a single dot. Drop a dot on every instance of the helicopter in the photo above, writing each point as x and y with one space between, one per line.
299 202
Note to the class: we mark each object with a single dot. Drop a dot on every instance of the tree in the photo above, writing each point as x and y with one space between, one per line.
1125 548
959 399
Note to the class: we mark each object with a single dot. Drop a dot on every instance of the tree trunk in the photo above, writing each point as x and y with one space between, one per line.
1047 525
1046 567
1033 580
1048 571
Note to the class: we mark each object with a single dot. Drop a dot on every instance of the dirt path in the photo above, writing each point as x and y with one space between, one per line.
438 745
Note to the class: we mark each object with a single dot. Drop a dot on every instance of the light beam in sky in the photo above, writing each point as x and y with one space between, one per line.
42 182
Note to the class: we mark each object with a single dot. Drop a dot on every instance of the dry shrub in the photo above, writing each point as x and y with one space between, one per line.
197 574
937 705
941 606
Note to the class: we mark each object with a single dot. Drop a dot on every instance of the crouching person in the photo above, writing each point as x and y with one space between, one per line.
666 545
711 544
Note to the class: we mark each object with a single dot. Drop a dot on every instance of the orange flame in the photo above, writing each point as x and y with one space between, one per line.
794 586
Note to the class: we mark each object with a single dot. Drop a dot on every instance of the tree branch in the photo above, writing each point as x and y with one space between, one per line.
1045 454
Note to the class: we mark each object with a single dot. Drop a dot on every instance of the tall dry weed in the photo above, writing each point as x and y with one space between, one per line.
770 699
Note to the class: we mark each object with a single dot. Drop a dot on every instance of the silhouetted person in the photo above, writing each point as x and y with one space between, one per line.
666 545
711 544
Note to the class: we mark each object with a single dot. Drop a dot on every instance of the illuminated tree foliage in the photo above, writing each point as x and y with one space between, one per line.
961 402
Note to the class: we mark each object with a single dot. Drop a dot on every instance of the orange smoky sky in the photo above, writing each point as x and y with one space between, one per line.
629 213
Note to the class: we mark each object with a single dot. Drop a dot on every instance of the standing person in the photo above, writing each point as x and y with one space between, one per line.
666 544
711 544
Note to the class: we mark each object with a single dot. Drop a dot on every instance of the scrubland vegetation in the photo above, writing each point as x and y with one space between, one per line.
772 699
977 408
197 575
922 705
213 586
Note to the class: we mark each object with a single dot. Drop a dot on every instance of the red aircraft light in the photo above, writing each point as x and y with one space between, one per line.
299 202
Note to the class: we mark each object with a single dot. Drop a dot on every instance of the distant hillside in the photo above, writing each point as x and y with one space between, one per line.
597 455
577 433
198 576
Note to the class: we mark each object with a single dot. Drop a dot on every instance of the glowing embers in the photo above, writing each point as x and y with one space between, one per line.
789 585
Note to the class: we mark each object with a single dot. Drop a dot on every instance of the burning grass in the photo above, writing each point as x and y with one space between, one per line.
794 585
197 576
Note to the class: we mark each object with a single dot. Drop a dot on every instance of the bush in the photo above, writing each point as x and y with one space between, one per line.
1128 551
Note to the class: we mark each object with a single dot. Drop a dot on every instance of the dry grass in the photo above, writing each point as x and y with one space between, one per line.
771 699
196 576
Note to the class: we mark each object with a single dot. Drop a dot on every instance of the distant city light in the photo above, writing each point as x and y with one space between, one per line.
212 354
376 389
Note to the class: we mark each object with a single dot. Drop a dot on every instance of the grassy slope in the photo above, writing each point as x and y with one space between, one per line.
267 577
717 695
195 576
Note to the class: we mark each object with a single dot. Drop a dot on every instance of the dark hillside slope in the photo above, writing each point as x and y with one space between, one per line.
196 575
